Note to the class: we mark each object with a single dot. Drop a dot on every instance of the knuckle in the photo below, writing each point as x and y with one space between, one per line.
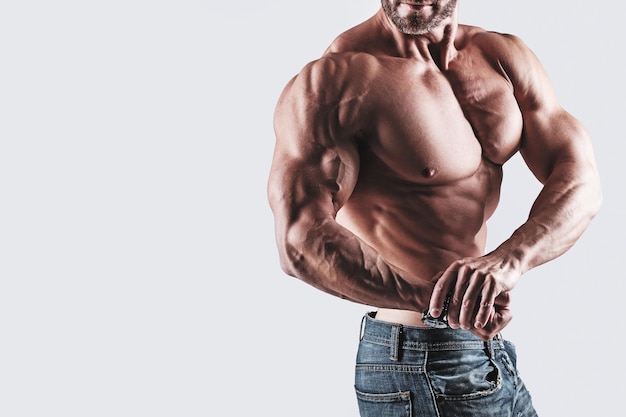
461 262
466 269
439 286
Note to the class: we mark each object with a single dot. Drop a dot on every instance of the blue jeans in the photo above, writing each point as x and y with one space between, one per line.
424 372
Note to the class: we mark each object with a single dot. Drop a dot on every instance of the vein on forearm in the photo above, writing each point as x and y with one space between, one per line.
330 258
559 216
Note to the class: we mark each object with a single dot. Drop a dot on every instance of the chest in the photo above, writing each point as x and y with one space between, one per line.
487 98
429 124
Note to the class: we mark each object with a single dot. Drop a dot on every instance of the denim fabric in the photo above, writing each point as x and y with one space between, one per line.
424 372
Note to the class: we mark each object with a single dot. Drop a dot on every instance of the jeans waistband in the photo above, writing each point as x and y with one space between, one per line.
399 336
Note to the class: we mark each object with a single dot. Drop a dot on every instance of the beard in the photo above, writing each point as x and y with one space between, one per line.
415 24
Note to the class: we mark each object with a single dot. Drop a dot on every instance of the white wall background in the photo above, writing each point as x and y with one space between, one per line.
138 272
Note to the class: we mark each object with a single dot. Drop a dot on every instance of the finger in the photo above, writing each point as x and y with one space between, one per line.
439 294
464 275
454 309
486 305
499 320
484 312
470 303
503 299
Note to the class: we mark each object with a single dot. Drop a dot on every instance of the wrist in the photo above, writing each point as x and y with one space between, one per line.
510 263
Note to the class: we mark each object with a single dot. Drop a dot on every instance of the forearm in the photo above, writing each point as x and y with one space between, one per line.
334 260
567 203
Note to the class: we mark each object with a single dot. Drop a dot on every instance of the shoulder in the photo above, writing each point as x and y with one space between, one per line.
507 49
491 42
335 88
335 78
346 68
318 84
511 55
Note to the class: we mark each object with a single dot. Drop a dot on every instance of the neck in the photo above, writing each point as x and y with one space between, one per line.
436 45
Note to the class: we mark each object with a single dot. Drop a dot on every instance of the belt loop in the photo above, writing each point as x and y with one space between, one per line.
396 342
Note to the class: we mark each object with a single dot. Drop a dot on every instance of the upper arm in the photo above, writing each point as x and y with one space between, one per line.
315 163
551 136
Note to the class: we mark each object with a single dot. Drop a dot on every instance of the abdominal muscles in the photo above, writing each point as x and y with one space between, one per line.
422 227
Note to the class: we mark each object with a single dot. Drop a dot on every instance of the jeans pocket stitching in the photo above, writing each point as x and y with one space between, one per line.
496 385
401 398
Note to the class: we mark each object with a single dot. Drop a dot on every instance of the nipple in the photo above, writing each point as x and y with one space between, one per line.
429 172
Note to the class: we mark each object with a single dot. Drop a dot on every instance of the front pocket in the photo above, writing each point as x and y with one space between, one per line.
396 404
462 374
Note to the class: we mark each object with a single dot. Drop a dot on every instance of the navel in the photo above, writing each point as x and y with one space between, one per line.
429 172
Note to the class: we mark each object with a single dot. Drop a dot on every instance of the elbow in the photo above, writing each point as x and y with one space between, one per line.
291 255
595 205
287 263
596 198
292 262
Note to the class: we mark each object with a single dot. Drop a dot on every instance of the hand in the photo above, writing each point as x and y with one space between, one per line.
500 318
480 299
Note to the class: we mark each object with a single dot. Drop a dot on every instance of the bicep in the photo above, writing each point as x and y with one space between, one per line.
555 139
314 169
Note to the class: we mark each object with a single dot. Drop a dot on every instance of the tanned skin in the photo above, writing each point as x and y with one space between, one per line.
388 163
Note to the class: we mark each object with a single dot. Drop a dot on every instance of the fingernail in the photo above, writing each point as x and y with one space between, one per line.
478 325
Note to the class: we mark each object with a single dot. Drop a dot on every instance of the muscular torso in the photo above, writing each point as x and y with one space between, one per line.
430 147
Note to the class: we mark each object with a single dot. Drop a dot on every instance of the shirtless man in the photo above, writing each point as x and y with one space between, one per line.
388 163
